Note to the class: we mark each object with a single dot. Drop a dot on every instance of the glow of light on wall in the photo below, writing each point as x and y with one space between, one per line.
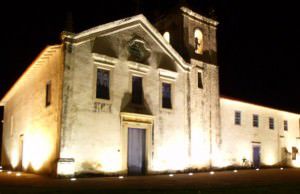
199 149
37 149
218 159
110 161
244 152
171 156
235 155
201 158
270 159
15 157
296 163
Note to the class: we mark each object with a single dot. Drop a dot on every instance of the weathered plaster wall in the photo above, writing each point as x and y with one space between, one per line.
205 119
183 137
25 114
94 137
237 140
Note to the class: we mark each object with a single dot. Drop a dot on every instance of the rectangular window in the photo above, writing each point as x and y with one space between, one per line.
200 83
237 117
102 90
255 120
294 153
166 95
48 93
271 123
285 125
137 90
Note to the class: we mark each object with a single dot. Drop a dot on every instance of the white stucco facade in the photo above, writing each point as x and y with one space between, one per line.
89 134
275 144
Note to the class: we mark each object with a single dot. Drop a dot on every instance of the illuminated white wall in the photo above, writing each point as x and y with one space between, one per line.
204 115
95 139
26 116
237 140
187 136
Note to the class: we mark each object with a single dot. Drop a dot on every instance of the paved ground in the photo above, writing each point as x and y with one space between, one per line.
244 181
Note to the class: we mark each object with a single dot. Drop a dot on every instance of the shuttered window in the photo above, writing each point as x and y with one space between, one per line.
255 121
237 117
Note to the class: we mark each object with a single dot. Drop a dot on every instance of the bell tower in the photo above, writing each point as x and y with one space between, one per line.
199 35
193 36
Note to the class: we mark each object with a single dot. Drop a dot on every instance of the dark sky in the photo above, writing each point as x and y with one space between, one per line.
257 41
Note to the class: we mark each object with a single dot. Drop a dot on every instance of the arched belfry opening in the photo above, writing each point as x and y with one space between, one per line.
198 38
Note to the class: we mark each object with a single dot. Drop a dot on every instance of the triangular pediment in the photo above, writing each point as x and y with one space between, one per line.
134 39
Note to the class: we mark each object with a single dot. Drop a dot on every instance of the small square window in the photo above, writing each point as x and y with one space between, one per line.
166 95
255 120
200 83
237 117
48 93
271 123
285 125
102 87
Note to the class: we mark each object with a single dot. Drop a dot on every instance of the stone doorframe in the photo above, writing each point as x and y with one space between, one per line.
133 120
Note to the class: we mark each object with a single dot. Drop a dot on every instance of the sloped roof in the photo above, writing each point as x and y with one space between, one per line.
241 101
123 24
40 60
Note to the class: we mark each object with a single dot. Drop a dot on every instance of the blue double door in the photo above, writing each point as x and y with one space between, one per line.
136 151
256 156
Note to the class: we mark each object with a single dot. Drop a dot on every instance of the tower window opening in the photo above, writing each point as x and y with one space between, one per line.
198 38
167 36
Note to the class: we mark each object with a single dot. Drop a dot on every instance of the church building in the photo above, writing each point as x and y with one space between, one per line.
131 97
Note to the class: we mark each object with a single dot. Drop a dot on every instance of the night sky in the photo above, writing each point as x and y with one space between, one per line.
257 42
